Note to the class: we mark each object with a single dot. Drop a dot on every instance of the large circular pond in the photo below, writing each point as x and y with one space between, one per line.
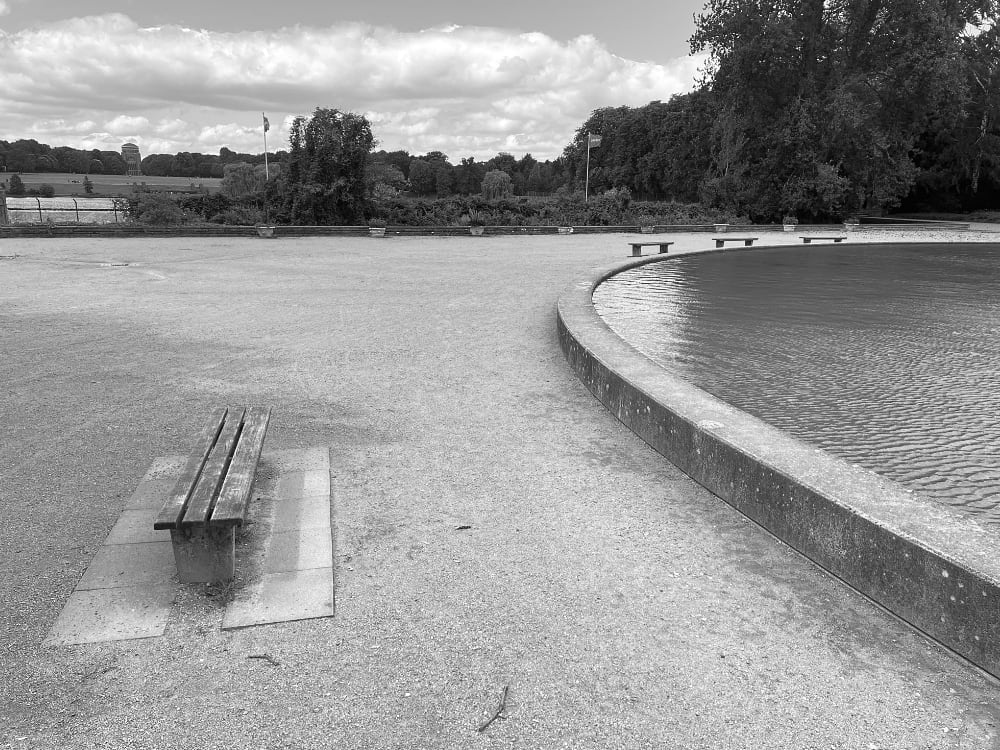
885 355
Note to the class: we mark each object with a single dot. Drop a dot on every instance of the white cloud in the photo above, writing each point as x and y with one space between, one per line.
462 90
171 128
4 8
126 125
71 128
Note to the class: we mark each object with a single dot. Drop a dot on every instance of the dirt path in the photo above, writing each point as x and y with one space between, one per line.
621 604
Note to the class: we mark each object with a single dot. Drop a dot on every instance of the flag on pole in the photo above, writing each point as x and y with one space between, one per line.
593 140
267 126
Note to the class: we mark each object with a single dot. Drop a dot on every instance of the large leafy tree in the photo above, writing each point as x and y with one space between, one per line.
17 185
959 156
497 185
423 178
658 151
605 123
820 102
324 178
469 176
242 182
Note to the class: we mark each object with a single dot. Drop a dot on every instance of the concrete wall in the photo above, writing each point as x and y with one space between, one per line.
929 565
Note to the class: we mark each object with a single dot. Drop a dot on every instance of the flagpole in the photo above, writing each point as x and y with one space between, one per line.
586 183
267 174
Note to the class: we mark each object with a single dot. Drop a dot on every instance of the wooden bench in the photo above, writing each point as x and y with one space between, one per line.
839 238
211 496
720 241
638 246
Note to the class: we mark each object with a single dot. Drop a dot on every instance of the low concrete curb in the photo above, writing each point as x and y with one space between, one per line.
930 566
21 231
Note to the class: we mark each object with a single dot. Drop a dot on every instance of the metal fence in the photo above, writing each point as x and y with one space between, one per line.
63 210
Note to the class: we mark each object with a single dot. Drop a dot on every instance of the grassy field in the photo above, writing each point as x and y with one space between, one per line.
110 185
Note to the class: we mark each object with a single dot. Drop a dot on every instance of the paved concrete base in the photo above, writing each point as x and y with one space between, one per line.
126 591
298 568
123 565
113 614
129 587
284 597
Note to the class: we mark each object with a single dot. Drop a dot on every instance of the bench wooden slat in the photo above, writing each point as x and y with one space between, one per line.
230 508
200 505
173 509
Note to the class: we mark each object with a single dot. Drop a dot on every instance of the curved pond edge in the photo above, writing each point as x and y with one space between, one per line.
927 564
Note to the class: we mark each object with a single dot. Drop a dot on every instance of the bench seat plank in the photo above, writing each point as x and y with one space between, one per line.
200 506
173 509
230 508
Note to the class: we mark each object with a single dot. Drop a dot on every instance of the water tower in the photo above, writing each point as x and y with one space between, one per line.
133 160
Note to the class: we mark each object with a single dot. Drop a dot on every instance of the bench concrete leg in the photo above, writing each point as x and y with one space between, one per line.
719 243
636 251
204 554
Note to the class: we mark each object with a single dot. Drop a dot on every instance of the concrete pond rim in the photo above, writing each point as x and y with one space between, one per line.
929 565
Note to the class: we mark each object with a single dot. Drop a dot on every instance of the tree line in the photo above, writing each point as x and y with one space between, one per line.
28 155
430 174
819 109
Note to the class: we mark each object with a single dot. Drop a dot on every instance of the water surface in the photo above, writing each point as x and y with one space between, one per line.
887 356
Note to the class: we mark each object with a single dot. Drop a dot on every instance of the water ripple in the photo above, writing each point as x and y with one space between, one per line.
887 356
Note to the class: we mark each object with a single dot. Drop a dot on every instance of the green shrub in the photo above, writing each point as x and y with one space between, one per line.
563 209
158 209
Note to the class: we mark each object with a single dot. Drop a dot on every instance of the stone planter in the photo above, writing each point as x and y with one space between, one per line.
647 230
850 227
376 231
265 231
564 230
476 231
721 227
790 227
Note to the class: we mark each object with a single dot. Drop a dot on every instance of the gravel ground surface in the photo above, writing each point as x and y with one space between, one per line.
621 604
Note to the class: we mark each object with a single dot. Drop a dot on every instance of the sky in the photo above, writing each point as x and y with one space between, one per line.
464 77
